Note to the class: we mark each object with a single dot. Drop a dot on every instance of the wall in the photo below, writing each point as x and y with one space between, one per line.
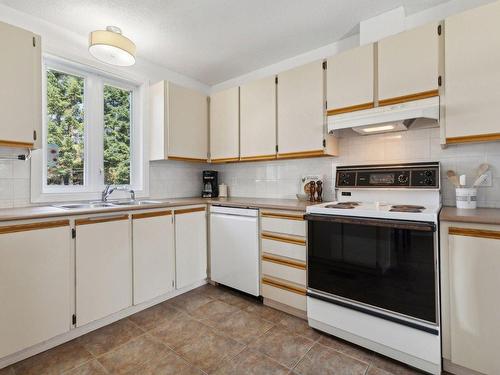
280 179
175 179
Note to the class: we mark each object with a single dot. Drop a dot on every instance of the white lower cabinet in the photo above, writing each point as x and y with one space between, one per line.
153 254
35 283
103 267
190 246
470 255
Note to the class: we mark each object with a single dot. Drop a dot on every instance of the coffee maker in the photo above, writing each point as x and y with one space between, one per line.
210 185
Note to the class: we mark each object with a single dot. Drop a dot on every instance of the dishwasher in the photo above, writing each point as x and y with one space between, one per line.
234 248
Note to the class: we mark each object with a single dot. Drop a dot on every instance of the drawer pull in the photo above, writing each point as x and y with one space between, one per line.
469 232
189 210
282 238
100 219
274 215
287 287
283 261
33 226
151 214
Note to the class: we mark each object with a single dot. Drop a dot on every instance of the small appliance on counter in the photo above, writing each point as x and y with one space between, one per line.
223 191
210 185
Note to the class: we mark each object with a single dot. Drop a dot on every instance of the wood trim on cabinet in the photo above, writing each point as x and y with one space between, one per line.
282 285
352 108
258 157
474 138
33 226
4 143
302 154
151 214
408 98
224 160
189 210
283 238
470 232
283 261
182 158
276 215
101 219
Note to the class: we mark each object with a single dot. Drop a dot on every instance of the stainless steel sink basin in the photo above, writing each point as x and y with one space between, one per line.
76 206
134 203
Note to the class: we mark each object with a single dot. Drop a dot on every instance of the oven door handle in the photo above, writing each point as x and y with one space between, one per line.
385 223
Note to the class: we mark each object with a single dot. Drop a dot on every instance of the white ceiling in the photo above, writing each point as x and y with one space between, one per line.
215 40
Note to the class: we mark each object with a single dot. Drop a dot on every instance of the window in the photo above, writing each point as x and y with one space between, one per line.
92 133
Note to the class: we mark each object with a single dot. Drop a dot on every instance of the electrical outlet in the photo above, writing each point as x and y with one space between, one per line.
488 182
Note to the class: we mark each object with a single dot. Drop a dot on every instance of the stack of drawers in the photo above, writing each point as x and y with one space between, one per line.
283 244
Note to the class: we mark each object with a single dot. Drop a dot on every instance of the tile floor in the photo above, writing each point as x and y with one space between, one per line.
210 330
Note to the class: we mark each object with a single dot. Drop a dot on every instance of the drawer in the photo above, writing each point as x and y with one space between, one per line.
292 224
283 247
284 293
285 269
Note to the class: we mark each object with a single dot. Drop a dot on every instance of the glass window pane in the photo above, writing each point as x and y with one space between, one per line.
117 121
65 130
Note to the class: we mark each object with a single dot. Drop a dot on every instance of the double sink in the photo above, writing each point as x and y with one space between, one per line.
100 204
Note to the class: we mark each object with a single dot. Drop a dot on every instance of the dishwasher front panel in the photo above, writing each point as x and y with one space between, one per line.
234 250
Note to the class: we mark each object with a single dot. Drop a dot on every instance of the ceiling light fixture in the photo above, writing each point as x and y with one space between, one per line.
111 47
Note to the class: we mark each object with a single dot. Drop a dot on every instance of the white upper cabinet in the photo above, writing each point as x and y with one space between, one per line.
349 80
408 64
472 78
258 120
224 126
20 88
179 123
301 111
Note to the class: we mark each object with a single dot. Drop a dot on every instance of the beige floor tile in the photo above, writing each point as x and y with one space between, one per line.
243 327
179 331
90 368
300 327
172 364
54 361
189 301
347 348
133 354
266 312
209 350
216 311
250 362
7 371
283 346
322 360
372 370
236 299
211 291
154 316
392 367
109 337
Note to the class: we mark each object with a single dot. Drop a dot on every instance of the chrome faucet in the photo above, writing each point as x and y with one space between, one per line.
108 190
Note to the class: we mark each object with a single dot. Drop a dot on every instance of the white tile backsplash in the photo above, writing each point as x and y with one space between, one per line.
280 178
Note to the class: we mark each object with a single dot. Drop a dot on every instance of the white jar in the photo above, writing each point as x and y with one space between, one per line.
466 198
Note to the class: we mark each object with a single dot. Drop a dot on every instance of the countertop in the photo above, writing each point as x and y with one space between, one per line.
476 216
48 211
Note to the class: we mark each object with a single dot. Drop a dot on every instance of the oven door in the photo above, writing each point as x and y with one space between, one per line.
386 266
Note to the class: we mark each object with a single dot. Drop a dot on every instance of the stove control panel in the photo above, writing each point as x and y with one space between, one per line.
412 175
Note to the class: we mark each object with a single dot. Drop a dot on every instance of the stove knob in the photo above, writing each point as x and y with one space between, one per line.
403 179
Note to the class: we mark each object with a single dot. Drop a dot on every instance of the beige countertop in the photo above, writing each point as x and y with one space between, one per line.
477 216
48 211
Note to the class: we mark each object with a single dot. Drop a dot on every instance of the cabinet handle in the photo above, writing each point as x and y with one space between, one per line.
100 219
470 232
280 285
151 214
189 210
280 238
33 226
283 216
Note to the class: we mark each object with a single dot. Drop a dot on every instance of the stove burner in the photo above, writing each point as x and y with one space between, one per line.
343 205
407 208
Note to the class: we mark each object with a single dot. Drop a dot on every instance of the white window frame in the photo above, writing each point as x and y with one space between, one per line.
95 80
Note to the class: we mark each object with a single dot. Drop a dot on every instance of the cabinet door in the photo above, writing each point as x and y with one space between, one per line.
474 256
350 82
224 126
103 267
153 255
301 111
472 79
187 123
190 246
20 89
258 120
408 65
35 284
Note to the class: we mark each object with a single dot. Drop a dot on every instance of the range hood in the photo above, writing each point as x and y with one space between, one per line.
385 119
